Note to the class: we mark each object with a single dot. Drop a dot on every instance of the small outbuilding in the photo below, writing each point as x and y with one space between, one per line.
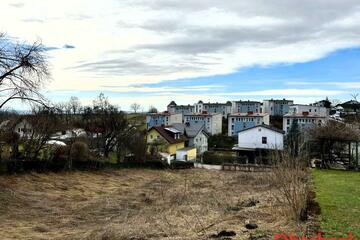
257 142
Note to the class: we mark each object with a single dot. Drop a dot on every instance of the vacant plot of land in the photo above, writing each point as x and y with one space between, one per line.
138 204
338 193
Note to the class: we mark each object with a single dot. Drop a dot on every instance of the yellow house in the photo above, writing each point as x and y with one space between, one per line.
170 137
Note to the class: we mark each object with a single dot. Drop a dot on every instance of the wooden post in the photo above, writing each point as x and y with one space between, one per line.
357 154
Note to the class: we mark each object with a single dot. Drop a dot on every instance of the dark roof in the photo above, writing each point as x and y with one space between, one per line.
166 135
265 126
248 101
190 130
172 103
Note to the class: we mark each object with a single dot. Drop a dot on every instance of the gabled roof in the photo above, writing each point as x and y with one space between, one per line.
265 126
191 130
166 135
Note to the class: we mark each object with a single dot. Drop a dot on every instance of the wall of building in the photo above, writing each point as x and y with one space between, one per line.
239 123
253 139
307 108
303 122
200 142
186 154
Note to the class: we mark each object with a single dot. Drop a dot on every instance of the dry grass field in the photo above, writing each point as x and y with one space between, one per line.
138 204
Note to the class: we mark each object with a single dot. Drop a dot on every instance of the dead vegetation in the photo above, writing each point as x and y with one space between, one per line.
139 204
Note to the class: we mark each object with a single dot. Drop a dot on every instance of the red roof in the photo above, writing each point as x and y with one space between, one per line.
165 134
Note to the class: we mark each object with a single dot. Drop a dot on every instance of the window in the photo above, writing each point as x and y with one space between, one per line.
151 136
264 140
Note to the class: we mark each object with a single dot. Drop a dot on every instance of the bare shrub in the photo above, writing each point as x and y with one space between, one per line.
290 179
79 152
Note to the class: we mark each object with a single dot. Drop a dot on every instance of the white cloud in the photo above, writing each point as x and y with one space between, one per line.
126 42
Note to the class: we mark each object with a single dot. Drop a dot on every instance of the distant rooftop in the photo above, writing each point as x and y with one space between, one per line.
202 114
249 114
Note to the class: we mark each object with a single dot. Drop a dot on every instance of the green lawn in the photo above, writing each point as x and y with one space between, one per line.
338 193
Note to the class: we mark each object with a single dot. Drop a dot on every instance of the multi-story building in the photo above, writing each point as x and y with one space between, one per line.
240 121
174 108
246 106
303 119
162 119
311 109
277 107
223 108
211 121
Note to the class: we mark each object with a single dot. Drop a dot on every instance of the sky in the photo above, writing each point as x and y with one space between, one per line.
154 51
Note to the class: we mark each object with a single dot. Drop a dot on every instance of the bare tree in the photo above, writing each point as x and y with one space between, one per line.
135 107
355 96
23 69
74 105
153 109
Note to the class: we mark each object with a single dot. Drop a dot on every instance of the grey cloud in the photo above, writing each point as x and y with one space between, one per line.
306 22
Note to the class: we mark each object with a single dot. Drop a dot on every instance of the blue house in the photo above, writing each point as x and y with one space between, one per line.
246 106
162 119
241 121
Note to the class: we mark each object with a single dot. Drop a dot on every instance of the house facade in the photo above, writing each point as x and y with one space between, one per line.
246 106
173 140
311 109
211 121
277 107
261 137
303 119
183 109
170 143
241 121
196 136
223 108
24 128
164 118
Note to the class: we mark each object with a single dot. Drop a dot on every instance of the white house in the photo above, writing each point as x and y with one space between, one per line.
211 121
23 128
261 137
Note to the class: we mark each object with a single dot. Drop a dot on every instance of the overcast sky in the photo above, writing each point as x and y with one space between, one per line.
154 51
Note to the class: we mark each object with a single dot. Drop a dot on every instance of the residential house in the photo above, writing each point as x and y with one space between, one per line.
172 141
240 121
303 119
196 136
174 108
261 137
246 106
350 107
211 121
21 126
164 118
223 108
277 107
